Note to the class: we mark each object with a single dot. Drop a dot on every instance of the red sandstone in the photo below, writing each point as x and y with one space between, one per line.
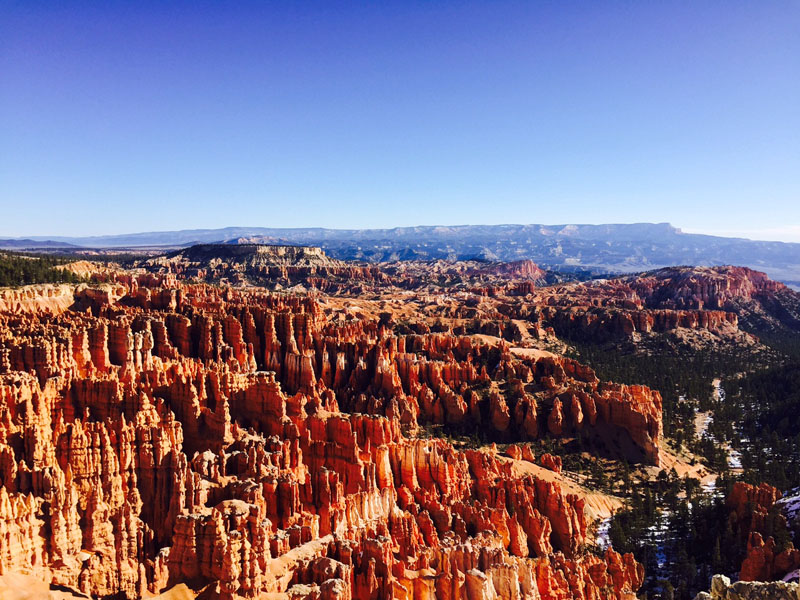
155 433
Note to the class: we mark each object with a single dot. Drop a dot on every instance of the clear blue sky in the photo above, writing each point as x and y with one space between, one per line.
119 117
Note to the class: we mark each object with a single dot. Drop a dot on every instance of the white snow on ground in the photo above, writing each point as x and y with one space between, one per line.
793 576
603 527
734 456
718 390
659 534
790 504
703 424
790 507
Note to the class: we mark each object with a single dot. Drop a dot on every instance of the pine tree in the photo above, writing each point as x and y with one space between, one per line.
716 558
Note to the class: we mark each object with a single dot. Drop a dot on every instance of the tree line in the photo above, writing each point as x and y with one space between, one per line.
21 269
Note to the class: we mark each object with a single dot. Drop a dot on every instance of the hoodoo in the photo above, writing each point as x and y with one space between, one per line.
246 443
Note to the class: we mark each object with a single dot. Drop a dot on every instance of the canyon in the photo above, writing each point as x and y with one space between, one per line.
177 427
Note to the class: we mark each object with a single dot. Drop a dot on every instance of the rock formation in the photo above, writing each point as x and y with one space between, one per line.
749 507
723 589
157 433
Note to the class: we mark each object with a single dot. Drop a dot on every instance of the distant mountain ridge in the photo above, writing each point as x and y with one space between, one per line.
631 231
611 247
28 243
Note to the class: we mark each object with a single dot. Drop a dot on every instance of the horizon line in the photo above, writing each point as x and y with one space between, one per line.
725 234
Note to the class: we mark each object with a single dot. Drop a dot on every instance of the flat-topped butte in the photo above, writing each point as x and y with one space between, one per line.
250 254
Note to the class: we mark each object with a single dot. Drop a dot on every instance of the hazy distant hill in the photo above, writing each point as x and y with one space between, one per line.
29 244
626 248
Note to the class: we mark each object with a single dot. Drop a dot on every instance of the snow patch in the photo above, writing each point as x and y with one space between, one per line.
603 538
790 504
793 576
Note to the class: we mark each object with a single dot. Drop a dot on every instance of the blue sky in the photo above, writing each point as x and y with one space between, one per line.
120 117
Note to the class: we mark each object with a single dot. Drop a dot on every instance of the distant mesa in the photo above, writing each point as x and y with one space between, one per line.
257 253
271 265
253 239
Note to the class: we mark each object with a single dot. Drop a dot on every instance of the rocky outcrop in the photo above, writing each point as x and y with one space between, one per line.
548 461
764 562
723 589
750 508
713 301
37 299
762 305
598 324
701 287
